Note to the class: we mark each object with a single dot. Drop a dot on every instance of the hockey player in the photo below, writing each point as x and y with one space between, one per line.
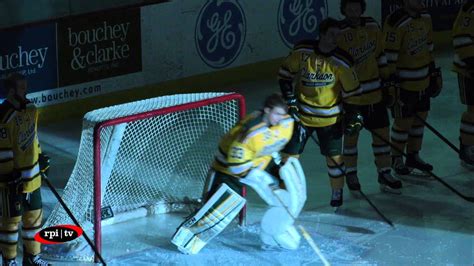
362 38
245 157
20 178
463 41
323 76
409 50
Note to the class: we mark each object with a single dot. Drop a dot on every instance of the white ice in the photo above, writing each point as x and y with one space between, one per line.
433 226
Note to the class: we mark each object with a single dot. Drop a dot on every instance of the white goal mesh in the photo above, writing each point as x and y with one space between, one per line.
153 152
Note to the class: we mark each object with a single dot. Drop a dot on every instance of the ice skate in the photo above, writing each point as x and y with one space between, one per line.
399 166
417 167
352 181
34 260
336 199
8 262
389 183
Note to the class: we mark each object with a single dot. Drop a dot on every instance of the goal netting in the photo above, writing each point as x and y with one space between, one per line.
140 158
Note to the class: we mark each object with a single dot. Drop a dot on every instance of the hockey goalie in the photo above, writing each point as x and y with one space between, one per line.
248 155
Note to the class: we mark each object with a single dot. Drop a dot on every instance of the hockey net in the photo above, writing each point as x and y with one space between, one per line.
140 158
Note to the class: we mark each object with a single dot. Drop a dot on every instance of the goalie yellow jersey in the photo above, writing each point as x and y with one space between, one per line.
365 44
463 38
250 144
19 147
322 81
409 47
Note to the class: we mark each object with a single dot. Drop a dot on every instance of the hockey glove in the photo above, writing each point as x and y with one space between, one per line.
44 160
436 82
390 88
301 131
353 121
292 107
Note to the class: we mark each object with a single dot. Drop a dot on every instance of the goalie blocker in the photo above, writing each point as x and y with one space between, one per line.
224 205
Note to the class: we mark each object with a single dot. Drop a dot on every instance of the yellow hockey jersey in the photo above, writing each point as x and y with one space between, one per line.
322 81
19 146
409 47
250 144
365 44
463 39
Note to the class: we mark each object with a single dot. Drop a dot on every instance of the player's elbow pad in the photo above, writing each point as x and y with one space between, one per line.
240 169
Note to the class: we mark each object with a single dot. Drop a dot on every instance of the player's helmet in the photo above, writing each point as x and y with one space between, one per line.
362 3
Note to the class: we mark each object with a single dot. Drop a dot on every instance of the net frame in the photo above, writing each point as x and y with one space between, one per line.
99 124
140 116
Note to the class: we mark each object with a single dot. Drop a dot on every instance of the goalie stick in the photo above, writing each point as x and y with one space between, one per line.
306 235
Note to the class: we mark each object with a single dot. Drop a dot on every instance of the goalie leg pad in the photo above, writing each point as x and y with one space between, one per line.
263 183
295 182
277 223
209 221
267 187
278 230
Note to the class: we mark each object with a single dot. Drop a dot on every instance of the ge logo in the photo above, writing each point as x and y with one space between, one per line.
299 19
220 32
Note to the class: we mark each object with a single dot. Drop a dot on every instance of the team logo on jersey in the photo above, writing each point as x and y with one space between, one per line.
318 78
220 32
299 19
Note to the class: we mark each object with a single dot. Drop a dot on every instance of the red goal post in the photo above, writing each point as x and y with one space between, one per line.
154 152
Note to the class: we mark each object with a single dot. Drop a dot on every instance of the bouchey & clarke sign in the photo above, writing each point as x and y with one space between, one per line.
99 46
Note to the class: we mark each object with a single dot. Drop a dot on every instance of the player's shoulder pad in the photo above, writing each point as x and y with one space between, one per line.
397 18
253 123
305 45
370 22
343 57
286 121
7 112
344 25
468 7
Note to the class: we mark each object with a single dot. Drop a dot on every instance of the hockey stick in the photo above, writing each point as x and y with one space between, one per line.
375 208
360 191
297 120
467 198
68 211
313 245
437 133
306 236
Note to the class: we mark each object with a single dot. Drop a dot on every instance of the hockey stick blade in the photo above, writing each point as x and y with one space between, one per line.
376 210
313 245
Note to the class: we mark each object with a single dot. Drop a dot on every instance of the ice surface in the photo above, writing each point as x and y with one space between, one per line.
432 225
